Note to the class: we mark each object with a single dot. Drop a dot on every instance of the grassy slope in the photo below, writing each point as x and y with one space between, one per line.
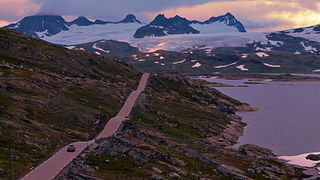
49 93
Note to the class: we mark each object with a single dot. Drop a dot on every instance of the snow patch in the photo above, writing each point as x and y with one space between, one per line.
297 52
308 48
262 54
300 160
269 65
70 47
100 49
276 43
223 66
242 68
156 62
194 60
141 60
244 56
98 53
317 70
161 57
179 62
42 34
196 65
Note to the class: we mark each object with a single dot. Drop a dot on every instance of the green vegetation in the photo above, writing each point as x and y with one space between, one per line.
47 96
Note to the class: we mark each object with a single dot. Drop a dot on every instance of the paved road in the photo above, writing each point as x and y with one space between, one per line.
51 167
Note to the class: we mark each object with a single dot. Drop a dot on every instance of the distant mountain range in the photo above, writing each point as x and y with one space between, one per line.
50 25
162 26
46 26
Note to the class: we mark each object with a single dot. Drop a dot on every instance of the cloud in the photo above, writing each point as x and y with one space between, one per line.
3 23
110 9
14 9
256 15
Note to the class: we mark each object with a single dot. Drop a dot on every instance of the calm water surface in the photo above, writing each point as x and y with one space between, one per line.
288 121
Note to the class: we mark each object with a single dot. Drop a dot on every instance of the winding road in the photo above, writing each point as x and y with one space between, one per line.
51 167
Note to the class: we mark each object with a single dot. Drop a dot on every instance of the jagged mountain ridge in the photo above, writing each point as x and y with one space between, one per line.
162 26
50 25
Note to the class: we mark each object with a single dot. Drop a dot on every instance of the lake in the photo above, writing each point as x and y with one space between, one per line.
288 121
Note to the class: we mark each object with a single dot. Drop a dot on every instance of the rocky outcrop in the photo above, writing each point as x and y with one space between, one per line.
230 135
313 157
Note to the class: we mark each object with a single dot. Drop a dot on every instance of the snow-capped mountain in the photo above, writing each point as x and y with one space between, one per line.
38 26
162 26
46 26
221 24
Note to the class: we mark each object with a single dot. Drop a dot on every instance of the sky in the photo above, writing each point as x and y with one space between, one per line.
256 15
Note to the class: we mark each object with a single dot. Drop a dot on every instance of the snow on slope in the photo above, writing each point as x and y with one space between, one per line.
308 48
308 33
214 28
84 34
185 41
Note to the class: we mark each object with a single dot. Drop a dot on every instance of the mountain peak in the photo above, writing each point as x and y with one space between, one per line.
229 14
130 18
160 20
81 21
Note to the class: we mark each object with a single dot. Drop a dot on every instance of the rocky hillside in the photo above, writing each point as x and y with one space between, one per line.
109 48
179 129
200 60
48 94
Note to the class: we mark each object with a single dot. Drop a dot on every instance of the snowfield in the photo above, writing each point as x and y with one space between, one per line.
186 41
84 34
214 28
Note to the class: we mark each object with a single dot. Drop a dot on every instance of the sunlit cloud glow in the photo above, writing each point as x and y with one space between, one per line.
15 9
256 15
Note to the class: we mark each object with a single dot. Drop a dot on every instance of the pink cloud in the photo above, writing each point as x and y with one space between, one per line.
258 15
15 9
